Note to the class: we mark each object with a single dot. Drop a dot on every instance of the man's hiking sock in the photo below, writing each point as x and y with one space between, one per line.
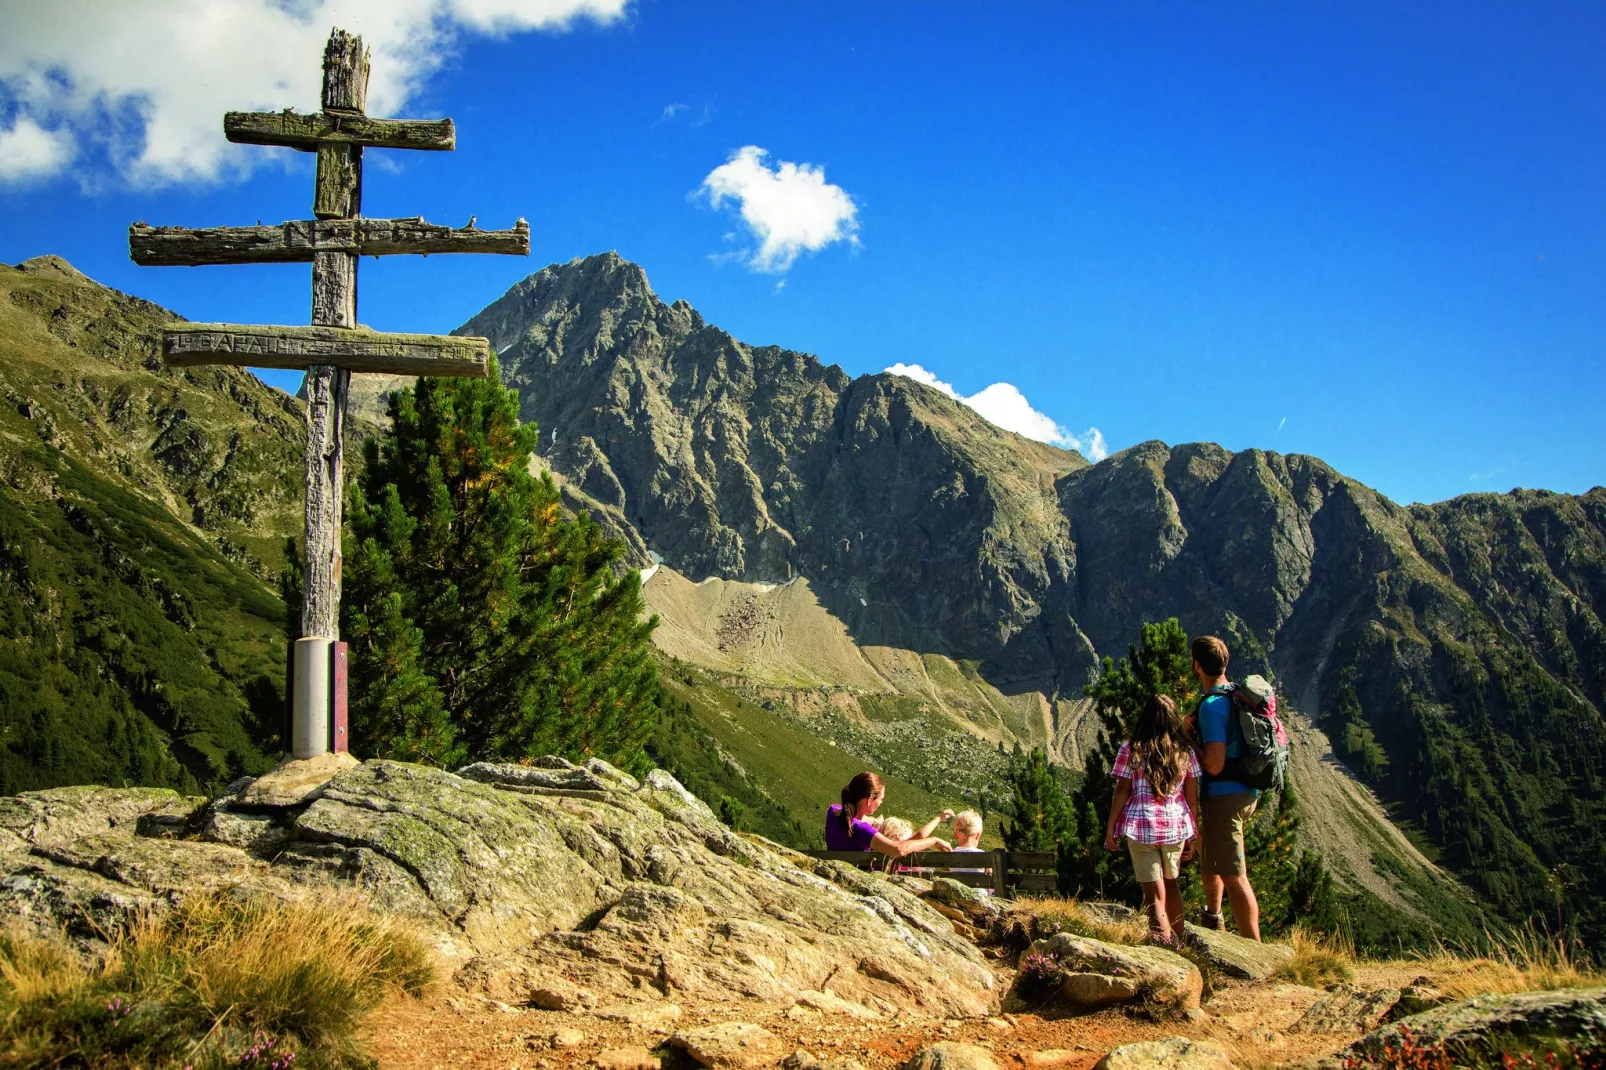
1211 921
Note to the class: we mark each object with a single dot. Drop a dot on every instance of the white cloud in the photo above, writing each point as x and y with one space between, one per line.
789 210
28 150
145 84
1004 405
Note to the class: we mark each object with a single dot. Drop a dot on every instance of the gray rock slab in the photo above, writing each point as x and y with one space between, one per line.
631 895
1347 1009
1478 1030
1248 960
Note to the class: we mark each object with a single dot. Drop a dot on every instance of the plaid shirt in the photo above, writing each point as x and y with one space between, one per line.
1148 819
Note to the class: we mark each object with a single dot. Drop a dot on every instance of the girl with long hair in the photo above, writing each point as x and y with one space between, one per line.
846 827
1156 810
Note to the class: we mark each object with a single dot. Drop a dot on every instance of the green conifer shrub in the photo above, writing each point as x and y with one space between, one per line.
1042 816
484 622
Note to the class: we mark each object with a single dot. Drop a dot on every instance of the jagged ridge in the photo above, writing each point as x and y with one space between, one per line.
1453 651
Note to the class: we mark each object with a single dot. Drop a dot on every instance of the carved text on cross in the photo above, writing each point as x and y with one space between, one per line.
334 346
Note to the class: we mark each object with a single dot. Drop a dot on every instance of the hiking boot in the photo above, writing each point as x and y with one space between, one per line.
1211 921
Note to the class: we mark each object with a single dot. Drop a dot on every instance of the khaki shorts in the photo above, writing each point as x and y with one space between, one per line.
1221 842
1153 861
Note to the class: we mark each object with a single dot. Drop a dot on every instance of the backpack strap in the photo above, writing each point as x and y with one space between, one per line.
1227 692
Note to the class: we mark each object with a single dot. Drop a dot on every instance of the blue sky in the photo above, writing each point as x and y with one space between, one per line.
1334 229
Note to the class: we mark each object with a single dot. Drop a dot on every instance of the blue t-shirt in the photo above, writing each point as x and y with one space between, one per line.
1215 726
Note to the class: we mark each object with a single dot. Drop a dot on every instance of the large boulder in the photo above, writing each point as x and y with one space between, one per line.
1091 973
551 884
1478 1031
1234 956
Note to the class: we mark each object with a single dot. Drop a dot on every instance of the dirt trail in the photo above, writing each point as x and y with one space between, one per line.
460 1031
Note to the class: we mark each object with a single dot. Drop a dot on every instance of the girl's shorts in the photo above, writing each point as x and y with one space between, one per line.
1154 861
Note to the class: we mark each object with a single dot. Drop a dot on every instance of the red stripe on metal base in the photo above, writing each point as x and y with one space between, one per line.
339 739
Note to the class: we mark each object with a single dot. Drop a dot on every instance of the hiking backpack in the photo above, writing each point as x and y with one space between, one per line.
1262 761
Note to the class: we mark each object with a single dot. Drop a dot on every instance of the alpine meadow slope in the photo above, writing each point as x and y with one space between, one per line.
141 510
1454 653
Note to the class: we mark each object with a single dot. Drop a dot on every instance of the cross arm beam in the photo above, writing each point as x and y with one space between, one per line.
298 241
307 132
355 348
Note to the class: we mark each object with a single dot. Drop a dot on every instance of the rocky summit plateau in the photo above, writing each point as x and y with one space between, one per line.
550 884
580 916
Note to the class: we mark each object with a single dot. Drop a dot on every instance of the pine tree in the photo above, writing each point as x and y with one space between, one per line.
484 622
1042 817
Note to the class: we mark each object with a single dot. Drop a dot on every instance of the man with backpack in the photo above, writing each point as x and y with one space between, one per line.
1228 801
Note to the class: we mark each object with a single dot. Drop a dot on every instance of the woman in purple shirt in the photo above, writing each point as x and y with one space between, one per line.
846 829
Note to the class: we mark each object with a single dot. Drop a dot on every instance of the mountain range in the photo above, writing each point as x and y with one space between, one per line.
866 564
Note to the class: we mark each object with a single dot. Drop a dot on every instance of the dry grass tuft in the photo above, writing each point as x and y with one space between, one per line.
1051 914
1524 961
216 981
1319 960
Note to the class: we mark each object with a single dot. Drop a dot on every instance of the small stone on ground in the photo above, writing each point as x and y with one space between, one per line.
645 1015
568 1038
296 781
1172 1053
626 1059
949 1055
733 1045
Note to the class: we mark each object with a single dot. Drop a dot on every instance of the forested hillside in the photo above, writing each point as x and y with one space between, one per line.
140 511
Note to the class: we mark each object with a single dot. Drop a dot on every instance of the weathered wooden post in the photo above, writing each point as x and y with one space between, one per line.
335 345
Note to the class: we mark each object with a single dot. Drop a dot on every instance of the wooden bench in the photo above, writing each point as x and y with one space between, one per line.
1003 872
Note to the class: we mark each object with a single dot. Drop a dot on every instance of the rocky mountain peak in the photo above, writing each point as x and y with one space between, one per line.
53 266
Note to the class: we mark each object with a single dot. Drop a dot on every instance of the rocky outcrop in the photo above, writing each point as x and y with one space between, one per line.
1477 1032
557 886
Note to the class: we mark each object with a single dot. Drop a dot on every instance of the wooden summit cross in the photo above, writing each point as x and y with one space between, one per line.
334 346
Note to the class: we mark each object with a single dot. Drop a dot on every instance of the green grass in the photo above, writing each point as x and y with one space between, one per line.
216 982
1318 960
